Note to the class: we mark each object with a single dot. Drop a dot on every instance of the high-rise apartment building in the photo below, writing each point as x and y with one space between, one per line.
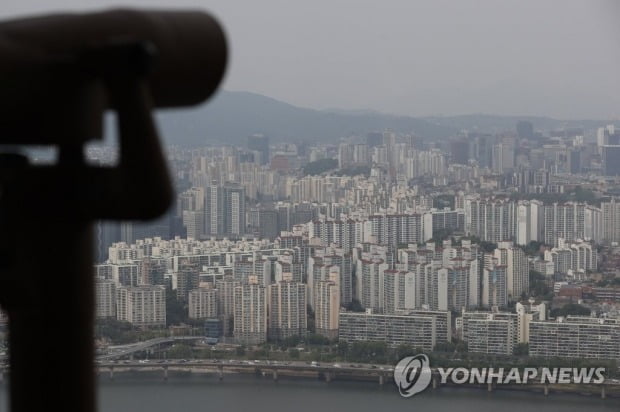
517 269
494 283
105 299
490 332
141 305
492 220
287 309
202 303
611 220
529 222
250 321
327 306
571 221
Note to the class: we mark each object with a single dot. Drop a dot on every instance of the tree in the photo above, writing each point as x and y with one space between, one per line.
180 351
521 349
533 248
571 309
316 339
404 350
354 171
176 312
320 166
114 330
488 246
343 348
293 353
240 350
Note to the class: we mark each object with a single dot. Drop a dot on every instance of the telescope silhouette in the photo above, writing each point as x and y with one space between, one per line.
55 67
58 75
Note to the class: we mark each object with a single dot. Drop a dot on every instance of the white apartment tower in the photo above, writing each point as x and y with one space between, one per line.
327 307
141 305
250 313
287 309
202 303
105 299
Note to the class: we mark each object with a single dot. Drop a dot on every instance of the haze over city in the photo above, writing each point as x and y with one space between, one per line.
421 58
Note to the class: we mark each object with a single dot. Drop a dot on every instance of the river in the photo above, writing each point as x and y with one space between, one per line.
191 393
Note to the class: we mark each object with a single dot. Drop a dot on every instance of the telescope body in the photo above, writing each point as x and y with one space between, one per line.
53 69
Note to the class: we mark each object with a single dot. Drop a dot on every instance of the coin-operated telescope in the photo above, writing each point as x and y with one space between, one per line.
58 75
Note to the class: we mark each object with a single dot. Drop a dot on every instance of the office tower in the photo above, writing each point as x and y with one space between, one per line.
260 143
250 321
105 299
141 305
287 309
202 303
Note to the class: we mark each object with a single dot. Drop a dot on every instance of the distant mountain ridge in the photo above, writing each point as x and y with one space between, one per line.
231 116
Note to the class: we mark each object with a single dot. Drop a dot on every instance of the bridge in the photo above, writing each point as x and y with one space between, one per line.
272 368
379 373
119 351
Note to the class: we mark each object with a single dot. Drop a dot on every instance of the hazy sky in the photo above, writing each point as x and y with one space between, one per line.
558 58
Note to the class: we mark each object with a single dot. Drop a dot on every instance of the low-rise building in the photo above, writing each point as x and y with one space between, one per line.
420 329
576 337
